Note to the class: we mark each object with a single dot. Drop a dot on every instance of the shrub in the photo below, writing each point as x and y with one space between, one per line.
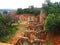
3 30
52 24
8 25
19 11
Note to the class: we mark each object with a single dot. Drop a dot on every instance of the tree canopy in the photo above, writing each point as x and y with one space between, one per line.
50 7
30 10
52 21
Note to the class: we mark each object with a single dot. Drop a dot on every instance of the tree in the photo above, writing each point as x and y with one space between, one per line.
36 11
52 24
31 7
51 7
26 10
19 11
45 8
30 10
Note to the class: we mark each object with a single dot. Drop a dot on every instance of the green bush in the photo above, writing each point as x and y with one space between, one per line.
7 27
3 30
52 24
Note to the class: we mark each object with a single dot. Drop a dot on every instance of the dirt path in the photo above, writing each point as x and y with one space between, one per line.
5 44
17 35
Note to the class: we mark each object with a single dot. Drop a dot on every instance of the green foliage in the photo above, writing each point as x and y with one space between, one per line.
52 11
30 10
19 11
52 24
3 30
7 27
36 11
27 10
50 7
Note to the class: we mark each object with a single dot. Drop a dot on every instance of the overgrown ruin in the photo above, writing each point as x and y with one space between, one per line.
35 33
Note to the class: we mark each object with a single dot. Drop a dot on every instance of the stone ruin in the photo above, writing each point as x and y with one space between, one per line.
34 35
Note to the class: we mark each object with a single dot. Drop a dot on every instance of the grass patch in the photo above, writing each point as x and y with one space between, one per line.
5 38
23 29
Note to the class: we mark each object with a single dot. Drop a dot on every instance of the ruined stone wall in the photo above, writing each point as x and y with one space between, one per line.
42 16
